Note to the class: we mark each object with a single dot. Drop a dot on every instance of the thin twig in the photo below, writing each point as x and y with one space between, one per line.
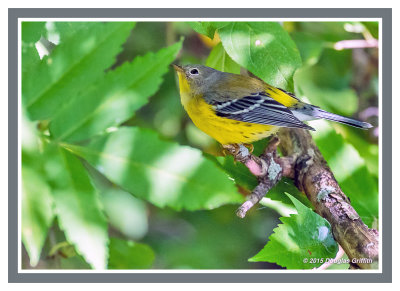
330 262
356 43
267 168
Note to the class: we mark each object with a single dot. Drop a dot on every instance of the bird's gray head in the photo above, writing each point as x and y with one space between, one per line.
197 77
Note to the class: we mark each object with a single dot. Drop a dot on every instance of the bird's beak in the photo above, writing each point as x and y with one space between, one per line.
178 69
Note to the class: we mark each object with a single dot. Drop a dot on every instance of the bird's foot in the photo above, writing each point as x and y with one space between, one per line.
232 149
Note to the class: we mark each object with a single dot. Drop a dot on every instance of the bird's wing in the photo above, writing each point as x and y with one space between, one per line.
258 108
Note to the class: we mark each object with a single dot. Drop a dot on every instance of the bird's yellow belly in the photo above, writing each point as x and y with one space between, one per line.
224 130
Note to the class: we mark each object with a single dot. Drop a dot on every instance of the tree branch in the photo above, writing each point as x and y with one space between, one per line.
303 162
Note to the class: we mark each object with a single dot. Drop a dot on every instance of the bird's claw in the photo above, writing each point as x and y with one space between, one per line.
233 149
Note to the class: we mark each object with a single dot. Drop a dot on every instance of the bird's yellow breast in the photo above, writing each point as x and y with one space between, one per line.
224 130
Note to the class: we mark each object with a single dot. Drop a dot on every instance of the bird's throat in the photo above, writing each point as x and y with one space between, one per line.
184 89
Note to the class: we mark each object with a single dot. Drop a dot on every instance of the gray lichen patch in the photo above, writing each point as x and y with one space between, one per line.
324 192
273 170
244 152
323 232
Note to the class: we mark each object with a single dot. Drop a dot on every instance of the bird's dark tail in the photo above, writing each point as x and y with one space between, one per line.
319 113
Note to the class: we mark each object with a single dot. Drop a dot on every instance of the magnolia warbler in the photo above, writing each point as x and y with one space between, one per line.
236 109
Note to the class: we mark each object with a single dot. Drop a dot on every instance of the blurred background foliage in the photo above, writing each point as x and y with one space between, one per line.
115 175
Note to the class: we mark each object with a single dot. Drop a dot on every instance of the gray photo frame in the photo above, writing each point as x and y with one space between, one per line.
186 277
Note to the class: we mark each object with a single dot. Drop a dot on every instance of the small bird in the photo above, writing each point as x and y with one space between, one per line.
238 109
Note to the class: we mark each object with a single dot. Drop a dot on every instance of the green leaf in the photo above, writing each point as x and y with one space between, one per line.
162 172
277 193
301 237
31 33
124 212
334 69
206 28
351 173
71 67
358 139
265 49
328 98
331 31
373 28
129 255
115 98
79 214
220 60
65 30
310 47
238 172
37 212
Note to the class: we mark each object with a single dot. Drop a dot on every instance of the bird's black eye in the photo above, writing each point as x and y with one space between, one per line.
194 71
